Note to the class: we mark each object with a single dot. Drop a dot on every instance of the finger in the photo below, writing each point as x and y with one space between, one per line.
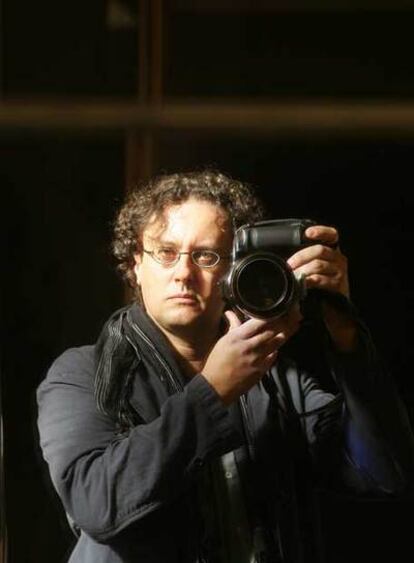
291 323
232 320
287 324
314 252
270 360
266 340
329 283
274 344
255 326
320 267
329 235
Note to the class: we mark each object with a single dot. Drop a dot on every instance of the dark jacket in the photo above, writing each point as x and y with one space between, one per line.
132 493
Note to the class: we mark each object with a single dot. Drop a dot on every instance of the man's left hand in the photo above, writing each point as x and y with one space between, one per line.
325 267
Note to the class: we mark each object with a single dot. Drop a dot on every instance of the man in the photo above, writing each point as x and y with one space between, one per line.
181 436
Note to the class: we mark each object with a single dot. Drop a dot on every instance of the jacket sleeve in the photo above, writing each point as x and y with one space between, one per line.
378 436
107 481
369 429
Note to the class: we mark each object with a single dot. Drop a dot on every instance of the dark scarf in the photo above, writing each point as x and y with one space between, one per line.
116 360
117 356
119 351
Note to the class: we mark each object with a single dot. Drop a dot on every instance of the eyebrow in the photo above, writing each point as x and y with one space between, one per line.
169 242
160 240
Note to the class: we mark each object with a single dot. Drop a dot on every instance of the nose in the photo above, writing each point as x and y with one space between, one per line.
185 268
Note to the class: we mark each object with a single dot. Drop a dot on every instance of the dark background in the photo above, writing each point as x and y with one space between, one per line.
60 190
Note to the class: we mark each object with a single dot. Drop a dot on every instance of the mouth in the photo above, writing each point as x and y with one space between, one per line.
183 298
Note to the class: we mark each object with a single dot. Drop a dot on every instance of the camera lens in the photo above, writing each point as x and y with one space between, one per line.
262 284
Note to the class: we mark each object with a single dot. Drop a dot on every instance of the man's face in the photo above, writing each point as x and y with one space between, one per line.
184 298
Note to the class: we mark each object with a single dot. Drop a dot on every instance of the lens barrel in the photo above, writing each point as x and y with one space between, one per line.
261 285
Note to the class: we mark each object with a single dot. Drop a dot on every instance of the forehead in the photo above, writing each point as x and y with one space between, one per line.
192 221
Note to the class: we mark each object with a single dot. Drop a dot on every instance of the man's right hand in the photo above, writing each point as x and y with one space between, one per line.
242 356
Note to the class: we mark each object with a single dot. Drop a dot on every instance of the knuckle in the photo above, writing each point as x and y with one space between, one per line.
319 266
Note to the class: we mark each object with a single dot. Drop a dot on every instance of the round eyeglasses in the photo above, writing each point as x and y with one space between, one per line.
201 258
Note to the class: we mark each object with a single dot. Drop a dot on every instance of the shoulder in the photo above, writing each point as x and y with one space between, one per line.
81 358
75 365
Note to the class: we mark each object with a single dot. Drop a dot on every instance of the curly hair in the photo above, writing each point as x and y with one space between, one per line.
144 202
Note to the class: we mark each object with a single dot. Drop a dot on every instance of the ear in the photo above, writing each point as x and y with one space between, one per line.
137 258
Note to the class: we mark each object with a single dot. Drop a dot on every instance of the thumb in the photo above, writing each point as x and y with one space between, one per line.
232 320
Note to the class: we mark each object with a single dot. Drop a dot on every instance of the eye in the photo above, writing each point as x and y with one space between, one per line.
166 254
205 258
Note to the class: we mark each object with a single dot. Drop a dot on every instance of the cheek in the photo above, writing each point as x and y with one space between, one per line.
143 277
151 297
150 283
212 285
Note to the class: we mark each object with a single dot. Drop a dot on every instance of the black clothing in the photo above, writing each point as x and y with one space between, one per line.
130 480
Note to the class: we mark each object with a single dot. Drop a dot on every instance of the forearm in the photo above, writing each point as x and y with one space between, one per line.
342 328
108 482
377 433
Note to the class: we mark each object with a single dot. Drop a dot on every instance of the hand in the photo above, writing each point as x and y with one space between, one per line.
327 268
323 267
243 355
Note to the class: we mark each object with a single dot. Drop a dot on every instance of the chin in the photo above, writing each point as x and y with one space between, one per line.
188 320
184 320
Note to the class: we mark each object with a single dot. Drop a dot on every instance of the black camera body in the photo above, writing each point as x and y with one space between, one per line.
260 282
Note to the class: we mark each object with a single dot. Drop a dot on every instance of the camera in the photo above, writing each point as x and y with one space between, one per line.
260 282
